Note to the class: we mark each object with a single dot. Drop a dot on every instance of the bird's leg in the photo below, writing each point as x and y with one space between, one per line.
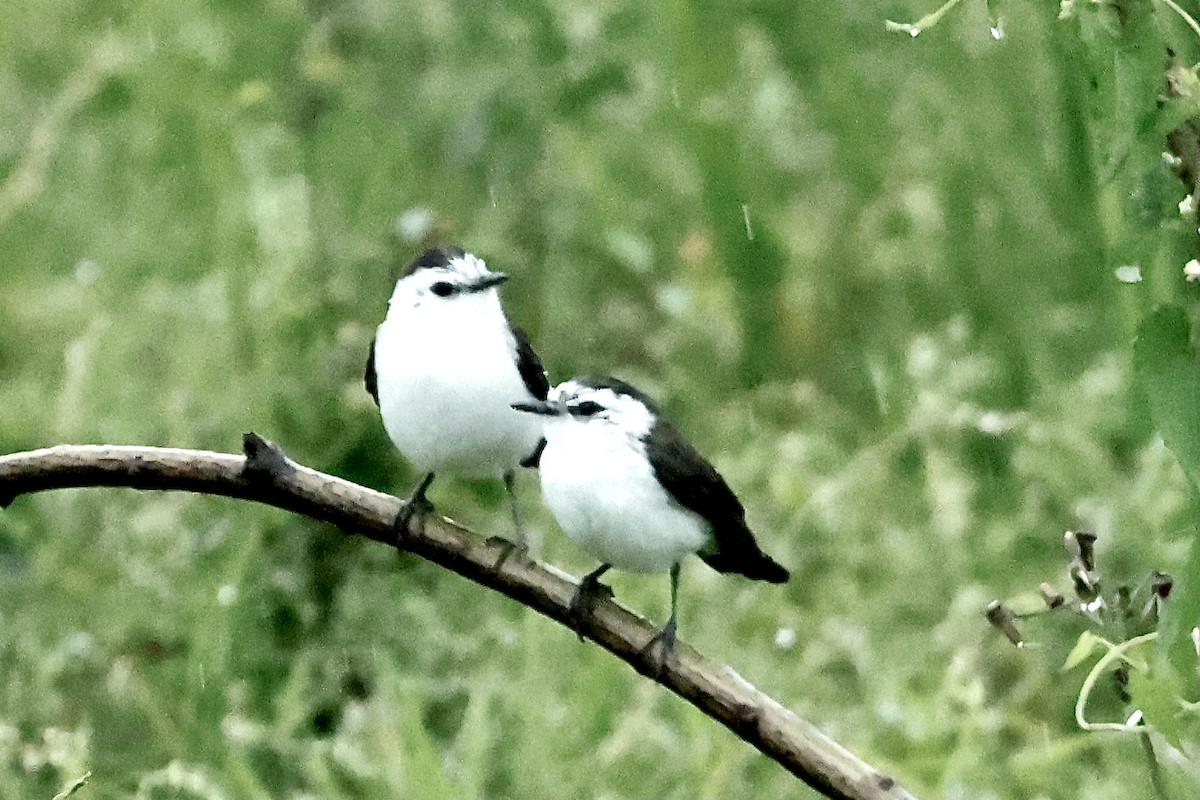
415 507
509 547
509 487
590 590
664 641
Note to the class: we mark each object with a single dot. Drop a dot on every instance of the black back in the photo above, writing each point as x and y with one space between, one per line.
534 459
696 485
533 374
370 378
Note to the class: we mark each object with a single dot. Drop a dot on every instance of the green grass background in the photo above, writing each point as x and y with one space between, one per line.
871 276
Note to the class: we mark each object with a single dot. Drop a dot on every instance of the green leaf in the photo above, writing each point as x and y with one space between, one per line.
1165 360
1083 648
1166 366
1154 694
1177 657
1183 102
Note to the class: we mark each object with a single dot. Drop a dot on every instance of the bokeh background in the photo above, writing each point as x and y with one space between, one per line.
876 278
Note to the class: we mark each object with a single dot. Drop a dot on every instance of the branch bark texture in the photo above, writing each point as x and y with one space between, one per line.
265 475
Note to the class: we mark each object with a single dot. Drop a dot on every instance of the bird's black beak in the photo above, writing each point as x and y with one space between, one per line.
547 408
487 282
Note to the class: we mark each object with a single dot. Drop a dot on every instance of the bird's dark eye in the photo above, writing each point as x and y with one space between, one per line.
587 408
442 289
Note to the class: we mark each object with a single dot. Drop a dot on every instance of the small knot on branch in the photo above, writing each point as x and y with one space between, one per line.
265 462
748 717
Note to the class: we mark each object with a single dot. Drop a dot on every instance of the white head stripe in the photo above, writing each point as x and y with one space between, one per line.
469 266
619 410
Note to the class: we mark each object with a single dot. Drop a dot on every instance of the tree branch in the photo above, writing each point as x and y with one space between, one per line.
266 475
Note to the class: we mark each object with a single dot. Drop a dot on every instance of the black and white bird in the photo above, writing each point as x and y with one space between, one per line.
445 367
632 492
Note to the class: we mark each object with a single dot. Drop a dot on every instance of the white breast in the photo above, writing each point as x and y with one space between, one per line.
602 490
447 378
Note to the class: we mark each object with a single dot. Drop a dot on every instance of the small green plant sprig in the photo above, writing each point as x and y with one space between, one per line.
1122 621
1142 111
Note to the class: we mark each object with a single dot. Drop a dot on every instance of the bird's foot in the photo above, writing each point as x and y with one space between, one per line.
590 591
415 508
508 548
660 649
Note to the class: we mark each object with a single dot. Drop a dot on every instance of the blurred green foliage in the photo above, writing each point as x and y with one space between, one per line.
874 277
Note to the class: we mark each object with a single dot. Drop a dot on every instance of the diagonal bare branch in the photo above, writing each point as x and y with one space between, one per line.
265 475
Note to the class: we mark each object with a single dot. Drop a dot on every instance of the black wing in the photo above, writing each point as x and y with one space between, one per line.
534 459
530 366
370 378
696 485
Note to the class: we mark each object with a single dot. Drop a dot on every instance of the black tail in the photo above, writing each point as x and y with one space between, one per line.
745 558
